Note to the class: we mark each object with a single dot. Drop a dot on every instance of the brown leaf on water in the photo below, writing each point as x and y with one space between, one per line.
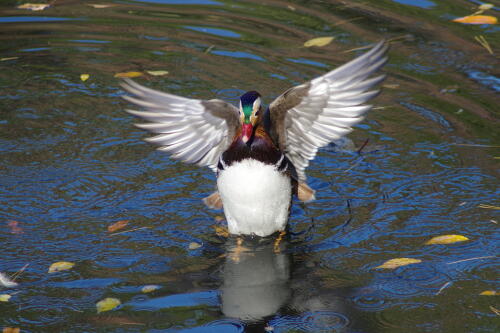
128 74
398 262
117 225
34 6
477 19
11 330
14 227
319 41
446 239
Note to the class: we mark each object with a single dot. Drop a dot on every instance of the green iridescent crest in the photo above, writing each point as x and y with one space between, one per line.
247 111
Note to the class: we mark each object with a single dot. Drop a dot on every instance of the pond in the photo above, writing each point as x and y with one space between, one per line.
424 163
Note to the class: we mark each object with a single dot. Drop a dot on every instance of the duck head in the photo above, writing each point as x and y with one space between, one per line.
250 111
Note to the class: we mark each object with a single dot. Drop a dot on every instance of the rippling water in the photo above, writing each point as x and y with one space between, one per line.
72 164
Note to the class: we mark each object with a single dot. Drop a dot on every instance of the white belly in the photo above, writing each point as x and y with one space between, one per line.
256 198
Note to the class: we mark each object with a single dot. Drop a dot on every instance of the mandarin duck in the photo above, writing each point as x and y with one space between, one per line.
260 155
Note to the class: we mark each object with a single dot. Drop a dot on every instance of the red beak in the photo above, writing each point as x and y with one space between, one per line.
246 132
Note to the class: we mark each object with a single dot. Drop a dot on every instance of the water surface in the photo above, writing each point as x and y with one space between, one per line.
421 165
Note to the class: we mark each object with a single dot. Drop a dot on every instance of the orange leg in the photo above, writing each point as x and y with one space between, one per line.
278 241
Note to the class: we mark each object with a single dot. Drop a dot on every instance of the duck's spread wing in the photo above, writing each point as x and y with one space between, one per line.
311 115
191 130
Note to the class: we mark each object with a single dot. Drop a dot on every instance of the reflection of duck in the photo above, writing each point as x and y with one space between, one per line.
260 157
255 279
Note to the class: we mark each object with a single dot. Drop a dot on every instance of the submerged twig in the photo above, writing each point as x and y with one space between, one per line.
444 286
495 310
484 43
353 166
474 145
476 258
122 232
16 274
363 145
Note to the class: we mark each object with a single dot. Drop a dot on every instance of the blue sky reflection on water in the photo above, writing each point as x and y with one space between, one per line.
417 3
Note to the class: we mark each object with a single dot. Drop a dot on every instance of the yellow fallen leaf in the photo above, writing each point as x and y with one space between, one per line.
194 246
84 77
488 207
398 262
128 74
489 293
486 6
4 297
107 304
446 239
34 6
9 58
477 19
11 330
157 73
150 288
319 41
60 266
117 225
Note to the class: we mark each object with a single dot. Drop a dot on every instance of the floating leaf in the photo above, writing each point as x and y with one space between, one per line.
391 86
11 330
128 74
157 73
14 227
477 19
5 297
98 6
9 58
34 6
117 225
194 246
84 77
221 231
446 239
6 282
150 288
489 293
398 262
60 266
107 304
319 41
488 206
486 6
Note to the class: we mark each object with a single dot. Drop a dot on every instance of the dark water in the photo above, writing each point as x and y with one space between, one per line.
72 164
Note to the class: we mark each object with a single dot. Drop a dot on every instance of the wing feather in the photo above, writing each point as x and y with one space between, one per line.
191 130
311 115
